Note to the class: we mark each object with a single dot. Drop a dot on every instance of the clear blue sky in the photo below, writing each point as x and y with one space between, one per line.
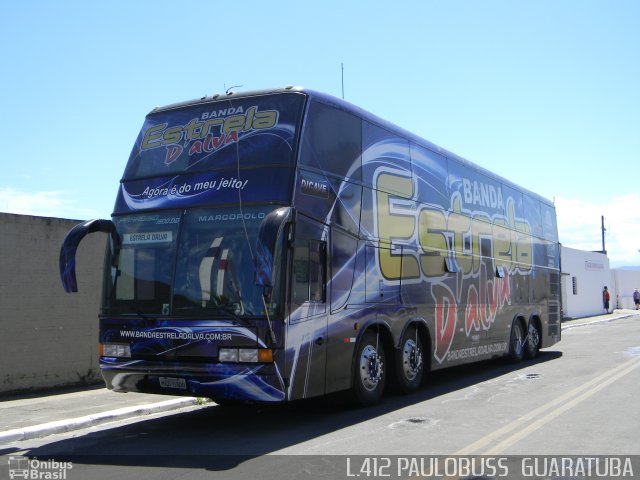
543 92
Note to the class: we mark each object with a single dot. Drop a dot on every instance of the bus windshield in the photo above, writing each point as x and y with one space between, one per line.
198 262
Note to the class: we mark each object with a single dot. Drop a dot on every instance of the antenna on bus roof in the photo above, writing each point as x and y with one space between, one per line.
342 66
228 91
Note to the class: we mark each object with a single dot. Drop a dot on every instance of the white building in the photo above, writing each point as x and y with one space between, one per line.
626 281
584 276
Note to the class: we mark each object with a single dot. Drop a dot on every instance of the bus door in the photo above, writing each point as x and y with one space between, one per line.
307 326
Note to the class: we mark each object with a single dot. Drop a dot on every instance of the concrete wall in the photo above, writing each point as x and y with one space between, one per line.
591 273
48 338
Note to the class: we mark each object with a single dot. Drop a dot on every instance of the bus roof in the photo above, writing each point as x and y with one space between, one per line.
370 117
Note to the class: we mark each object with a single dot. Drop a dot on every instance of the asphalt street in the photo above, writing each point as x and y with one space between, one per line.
576 399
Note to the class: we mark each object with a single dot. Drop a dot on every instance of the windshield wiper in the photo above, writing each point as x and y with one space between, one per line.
143 316
128 311
215 308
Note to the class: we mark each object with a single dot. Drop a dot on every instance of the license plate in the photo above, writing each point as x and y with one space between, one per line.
169 382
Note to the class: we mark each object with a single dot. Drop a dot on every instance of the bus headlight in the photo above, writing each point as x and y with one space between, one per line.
245 355
228 354
122 350
248 355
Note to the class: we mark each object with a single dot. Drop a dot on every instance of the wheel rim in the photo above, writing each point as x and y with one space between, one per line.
371 368
517 339
411 359
534 337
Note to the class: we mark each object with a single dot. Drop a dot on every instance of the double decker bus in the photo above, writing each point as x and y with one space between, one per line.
275 245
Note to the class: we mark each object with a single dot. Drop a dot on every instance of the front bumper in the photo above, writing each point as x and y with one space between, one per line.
225 381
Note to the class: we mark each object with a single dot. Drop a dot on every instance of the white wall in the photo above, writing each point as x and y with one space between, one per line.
626 281
591 272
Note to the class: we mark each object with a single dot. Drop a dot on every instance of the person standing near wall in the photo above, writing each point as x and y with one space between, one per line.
606 297
636 298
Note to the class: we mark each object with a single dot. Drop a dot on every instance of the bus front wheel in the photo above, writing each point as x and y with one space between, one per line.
369 369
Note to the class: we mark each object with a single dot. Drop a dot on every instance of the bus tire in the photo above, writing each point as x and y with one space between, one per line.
410 361
532 346
369 373
516 342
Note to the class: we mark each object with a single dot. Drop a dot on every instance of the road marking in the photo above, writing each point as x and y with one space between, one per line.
538 417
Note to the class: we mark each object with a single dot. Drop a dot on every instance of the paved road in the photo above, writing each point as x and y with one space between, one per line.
579 398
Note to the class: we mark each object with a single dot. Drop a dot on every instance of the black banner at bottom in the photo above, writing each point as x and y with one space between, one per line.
325 467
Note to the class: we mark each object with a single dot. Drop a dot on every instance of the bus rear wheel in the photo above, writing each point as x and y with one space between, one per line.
410 361
369 370
532 346
517 341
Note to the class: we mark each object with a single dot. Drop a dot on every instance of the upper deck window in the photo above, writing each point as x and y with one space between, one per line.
332 141
249 132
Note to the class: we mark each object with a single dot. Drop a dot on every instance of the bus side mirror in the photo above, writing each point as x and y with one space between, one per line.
67 261
270 234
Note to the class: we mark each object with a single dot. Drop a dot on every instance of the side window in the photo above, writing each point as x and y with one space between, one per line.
430 170
343 262
382 148
309 271
377 290
332 141
549 226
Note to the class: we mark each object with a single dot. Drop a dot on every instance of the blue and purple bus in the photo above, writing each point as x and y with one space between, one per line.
276 245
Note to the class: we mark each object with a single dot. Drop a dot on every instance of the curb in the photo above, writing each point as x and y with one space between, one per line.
600 320
69 425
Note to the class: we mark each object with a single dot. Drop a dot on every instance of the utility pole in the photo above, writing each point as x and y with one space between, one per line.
604 250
